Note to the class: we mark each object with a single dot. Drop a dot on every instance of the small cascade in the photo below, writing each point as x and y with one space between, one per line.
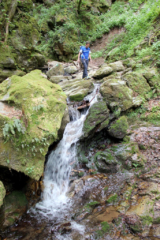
58 167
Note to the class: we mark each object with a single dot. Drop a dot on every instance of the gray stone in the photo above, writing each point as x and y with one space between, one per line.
56 70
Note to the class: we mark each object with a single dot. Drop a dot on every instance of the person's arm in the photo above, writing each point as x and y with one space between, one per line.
90 58
79 56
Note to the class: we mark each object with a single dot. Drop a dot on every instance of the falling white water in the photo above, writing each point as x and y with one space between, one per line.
58 168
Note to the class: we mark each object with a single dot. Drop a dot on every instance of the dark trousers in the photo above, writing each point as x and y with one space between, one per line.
85 67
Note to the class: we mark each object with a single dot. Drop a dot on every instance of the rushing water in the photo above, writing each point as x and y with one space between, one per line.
58 168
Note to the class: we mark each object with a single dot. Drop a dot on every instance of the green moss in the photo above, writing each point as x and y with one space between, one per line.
119 127
156 220
137 83
77 97
92 204
98 116
105 228
112 198
81 174
147 220
41 124
2 193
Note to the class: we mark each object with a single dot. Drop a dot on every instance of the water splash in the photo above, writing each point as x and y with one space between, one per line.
58 168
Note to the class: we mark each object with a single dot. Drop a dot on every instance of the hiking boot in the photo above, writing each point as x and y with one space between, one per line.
86 78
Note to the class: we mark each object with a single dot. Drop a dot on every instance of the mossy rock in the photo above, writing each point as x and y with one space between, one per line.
129 63
56 70
7 58
97 117
117 66
42 105
2 193
77 89
129 155
118 128
103 71
116 93
105 162
5 73
15 205
137 83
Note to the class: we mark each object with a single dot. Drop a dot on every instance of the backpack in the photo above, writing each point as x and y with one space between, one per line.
82 56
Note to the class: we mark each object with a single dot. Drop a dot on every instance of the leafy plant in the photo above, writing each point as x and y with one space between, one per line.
13 127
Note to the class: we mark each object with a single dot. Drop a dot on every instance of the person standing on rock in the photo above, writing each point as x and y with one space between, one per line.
83 57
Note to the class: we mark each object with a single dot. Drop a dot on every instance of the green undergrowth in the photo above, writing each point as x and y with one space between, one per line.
138 20
71 29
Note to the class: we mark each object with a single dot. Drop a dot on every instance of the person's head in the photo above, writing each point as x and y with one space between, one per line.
87 44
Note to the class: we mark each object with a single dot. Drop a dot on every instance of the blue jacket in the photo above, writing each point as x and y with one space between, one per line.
85 52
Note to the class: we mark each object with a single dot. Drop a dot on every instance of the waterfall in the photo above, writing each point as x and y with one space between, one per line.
58 167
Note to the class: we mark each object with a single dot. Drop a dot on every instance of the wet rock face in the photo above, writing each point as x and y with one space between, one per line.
31 124
98 118
118 128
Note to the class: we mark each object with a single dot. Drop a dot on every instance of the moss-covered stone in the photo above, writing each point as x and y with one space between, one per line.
117 66
118 128
77 89
137 83
116 93
42 105
104 71
129 63
56 70
105 161
15 204
98 115
129 155
2 193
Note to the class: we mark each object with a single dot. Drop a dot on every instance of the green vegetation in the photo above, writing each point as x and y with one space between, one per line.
113 198
147 220
105 228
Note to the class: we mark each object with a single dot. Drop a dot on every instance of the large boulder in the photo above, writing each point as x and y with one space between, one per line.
117 66
103 71
118 128
31 112
77 89
152 77
71 69
97 119
137 83
116 93
2 193
59 78
56 70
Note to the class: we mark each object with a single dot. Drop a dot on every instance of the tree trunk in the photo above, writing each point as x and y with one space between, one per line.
10 16
79 6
